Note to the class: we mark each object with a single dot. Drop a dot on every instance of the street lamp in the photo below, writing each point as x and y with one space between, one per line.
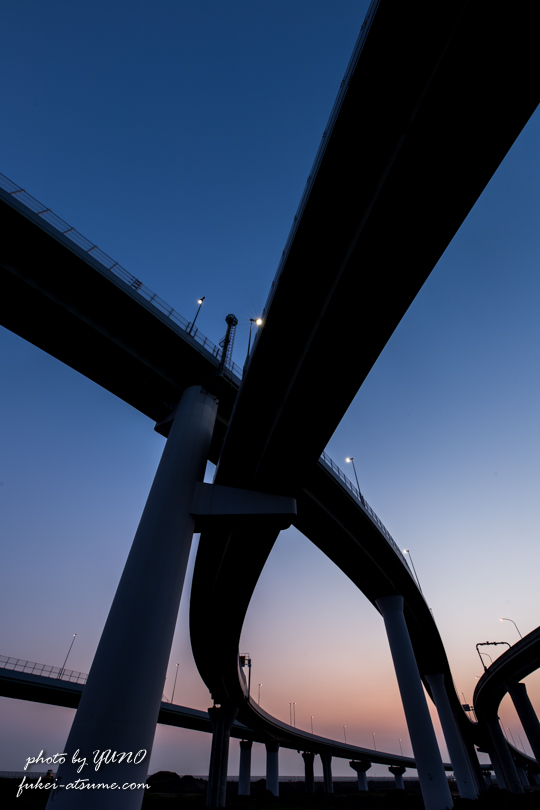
374 744
257 322
513 622
174 687
312 724
67 656
345 733
350 460
294 715
290 714
406 551
259 700
200 303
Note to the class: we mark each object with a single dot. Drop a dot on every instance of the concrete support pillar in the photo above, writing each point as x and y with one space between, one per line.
497 768
244 773
433 782
522 775
398 771
326 760
221 718
475 766
527 715
504 757
309 757
120 704
361 767
272 767
460 761
487 777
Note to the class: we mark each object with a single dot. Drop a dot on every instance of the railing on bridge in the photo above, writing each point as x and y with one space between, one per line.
48 671
134 283
338 473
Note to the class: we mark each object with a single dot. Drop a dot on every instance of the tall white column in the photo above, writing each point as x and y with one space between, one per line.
272 767
221 718
120 703
244 772
326 760
464 777
505 760
527 715
309 757
433 783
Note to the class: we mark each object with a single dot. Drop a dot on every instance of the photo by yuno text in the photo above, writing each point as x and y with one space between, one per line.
98 758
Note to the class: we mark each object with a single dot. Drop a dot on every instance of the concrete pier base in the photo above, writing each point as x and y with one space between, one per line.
398 771
221 718
244 773
272 768
326 760
361 766
309 774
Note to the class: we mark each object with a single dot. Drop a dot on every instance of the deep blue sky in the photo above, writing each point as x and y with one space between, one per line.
178 137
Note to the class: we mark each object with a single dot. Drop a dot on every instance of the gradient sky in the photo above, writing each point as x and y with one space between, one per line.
179 137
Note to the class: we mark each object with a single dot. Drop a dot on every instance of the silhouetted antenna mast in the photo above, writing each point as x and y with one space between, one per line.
227 344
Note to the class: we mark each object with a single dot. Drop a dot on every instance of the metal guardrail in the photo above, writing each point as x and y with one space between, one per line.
58 673
338 473
48 671
134 283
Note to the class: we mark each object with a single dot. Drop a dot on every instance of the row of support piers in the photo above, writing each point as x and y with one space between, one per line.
469 776
141 625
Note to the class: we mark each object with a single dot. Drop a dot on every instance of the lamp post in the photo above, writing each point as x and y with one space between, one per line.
200 303
400 748
508 729
294 714
312 724
350 460
259 700
374 743
406 551
345 733
258 322
67 656
290 714
174 687
513 622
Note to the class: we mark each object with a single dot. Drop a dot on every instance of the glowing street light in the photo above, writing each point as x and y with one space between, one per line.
257 322
200 303
350 460
513 622
406 551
